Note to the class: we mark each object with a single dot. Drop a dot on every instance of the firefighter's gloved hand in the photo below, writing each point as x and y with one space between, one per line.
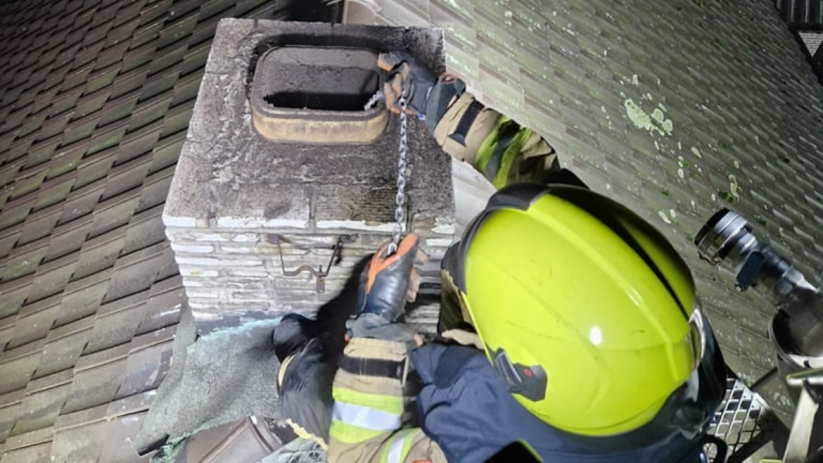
369 325
389 281
308 362
407 76
427 96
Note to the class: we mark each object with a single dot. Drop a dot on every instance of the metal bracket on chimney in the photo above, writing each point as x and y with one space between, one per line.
319 274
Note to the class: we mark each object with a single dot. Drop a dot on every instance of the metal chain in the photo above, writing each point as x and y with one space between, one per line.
400 197
373 100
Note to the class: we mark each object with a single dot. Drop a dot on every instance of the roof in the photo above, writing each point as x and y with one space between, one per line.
96 95
95 98
674 108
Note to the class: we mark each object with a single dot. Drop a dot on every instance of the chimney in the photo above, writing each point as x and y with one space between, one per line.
285 181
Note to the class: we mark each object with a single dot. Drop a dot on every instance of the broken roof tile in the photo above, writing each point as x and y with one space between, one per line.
118 108
177 119
9 170
137 57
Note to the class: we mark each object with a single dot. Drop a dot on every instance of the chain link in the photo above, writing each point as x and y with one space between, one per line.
374 100
400 197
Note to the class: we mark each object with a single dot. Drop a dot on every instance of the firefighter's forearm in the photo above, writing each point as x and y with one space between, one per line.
498 147
368 410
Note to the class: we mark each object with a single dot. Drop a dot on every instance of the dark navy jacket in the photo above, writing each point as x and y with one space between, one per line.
468 411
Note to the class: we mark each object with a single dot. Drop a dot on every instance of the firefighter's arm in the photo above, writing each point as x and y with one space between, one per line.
369 405
498 147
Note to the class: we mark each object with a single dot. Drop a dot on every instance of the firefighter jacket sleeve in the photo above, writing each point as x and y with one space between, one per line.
369 408
498 147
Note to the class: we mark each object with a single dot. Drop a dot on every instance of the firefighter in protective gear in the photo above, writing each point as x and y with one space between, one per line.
569 324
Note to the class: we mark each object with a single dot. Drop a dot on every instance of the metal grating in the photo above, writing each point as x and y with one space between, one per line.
744 421
736 421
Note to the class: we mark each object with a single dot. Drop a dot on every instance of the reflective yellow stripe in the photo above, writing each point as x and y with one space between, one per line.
508 158
386 403
397 449
486 149
365 417
349 434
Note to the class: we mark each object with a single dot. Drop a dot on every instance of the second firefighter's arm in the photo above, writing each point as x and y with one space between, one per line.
496 146
369 408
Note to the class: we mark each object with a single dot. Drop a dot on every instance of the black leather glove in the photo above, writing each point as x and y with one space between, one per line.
388 282
308 359
407 75
427 97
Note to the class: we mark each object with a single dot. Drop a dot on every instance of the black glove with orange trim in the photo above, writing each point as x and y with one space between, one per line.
386 285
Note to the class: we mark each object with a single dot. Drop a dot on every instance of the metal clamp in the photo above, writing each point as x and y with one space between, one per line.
319 274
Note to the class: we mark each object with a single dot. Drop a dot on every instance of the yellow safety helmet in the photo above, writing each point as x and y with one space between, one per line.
585 310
